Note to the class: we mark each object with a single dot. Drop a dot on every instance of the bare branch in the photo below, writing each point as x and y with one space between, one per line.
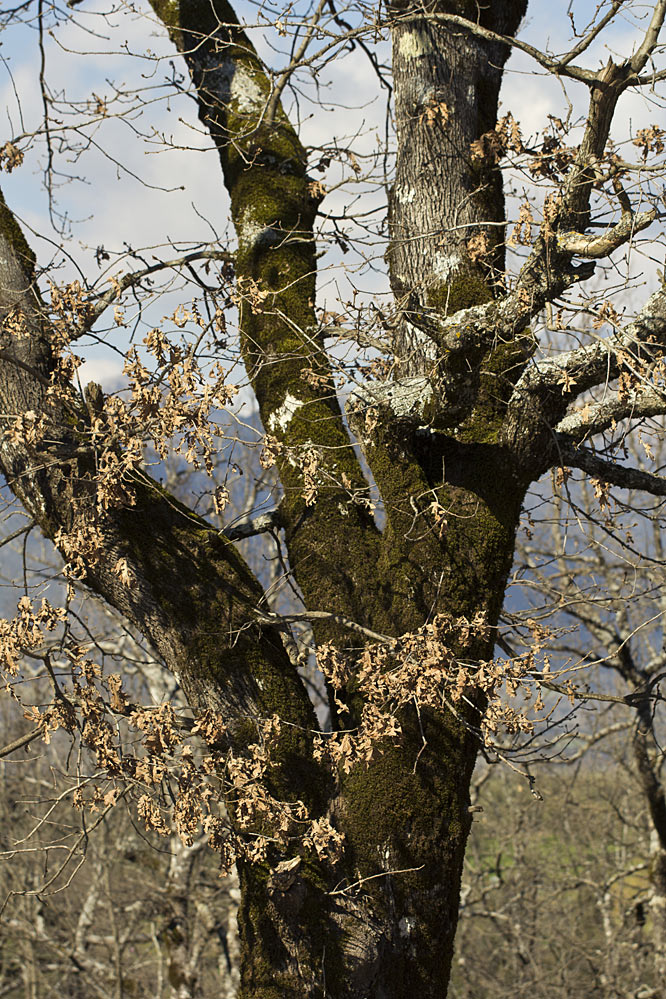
281 621
248 527
643 53
587 40
596 363
132 279
609 471
615 406
24 740
284 78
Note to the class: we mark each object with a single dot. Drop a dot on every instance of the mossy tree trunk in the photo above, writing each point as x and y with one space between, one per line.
452 475
396 933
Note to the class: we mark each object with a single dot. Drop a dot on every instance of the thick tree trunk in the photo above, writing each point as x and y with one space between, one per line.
380 922
452 444
409 811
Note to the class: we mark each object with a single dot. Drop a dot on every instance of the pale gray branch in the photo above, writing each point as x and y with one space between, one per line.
643 53
282 621
603 244
493 322
597 417
596 363
405 399
248 527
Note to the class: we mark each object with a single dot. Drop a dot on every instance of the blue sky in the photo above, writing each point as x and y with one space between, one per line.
182 198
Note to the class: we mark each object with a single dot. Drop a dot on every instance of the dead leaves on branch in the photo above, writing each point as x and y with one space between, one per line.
550 158
26 632
650 140
177 772
171 405
427 669
492 146
11 157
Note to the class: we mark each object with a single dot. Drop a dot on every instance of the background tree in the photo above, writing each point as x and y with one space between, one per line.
348 838
599 583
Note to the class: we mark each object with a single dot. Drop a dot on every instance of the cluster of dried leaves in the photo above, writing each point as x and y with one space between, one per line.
434 667
178 772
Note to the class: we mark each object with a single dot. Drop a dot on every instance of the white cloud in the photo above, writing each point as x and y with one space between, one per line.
108 372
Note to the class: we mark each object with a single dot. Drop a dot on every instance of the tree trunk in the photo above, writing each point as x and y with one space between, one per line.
381 921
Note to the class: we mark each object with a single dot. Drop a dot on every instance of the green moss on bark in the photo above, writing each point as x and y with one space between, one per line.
468 287
12 231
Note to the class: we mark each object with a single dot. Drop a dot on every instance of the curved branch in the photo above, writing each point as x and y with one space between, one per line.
99 303
596 417
599 362
602 245
190 593
273 210
640 57
609 471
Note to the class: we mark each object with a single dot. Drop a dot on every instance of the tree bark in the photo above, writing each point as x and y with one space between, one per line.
381 921
446 207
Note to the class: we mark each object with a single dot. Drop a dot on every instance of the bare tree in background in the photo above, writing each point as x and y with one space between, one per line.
349 840
609 601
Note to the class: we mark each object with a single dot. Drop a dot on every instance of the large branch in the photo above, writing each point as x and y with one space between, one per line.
486 325
547 388
603 244
594 418
189 592
332 540
599 362
609 471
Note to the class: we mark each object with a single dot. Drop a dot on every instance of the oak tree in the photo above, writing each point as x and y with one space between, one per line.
502 354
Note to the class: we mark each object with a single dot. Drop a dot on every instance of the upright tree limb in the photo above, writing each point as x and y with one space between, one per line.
331 543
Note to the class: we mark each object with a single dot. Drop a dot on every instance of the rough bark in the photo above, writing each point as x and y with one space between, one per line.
396 932
452 463
448 188
333 544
